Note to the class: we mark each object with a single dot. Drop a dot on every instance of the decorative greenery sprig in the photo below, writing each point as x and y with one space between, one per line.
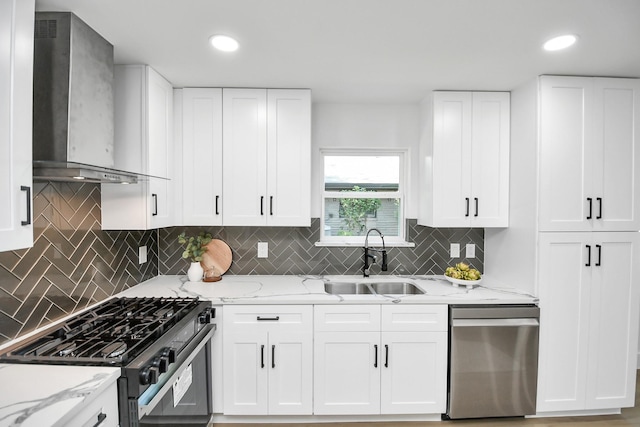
195 246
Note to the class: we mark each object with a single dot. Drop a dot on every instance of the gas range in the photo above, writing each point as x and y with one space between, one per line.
153 340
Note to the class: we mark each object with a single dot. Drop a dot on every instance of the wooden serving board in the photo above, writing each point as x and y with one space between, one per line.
218 255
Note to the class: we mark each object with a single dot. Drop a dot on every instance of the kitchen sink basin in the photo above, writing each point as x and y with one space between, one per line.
371 288
396 288
344 288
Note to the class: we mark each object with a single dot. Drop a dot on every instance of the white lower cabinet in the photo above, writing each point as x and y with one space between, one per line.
370 359
102 411
267 357
588 320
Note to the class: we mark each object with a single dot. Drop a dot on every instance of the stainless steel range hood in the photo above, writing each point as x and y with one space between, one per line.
73 125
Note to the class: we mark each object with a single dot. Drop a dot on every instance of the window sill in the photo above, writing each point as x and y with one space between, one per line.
360 245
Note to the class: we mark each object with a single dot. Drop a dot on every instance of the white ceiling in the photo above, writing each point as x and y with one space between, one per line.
387 51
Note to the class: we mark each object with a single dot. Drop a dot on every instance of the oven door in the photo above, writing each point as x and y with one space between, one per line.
183 396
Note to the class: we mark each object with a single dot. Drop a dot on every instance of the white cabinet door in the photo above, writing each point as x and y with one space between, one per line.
346 373
245 373
406 389
290 373
617 138
16 89
143 144
202 166
245 156
266 154
469 160
589 312
588 154
613 317
289 157
489 160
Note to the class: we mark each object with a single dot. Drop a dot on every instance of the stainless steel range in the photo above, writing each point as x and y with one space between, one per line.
153 340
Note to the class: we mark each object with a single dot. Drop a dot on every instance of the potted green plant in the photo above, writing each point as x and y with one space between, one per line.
195 247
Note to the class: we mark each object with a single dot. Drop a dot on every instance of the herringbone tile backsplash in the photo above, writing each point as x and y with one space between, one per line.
292 250
72 263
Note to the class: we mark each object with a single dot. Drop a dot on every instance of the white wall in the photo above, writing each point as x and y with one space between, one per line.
365 126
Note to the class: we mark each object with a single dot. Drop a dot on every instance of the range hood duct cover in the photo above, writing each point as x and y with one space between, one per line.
73 101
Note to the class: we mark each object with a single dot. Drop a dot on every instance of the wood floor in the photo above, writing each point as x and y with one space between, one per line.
629 417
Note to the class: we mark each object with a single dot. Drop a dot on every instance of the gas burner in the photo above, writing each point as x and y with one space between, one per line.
163 313
115 349
66 349
121 330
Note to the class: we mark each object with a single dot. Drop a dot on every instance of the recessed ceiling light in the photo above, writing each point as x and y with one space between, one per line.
224 43
560 42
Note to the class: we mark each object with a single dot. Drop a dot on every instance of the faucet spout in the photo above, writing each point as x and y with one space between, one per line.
367 255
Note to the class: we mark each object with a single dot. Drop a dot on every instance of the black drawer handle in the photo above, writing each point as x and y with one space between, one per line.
155 204
273 356
599 199
476 200
467 202
268 319
375 349
386 355
271 205
101 417
261 205
217 210
28 190
590 200
262 356
588 264
599 255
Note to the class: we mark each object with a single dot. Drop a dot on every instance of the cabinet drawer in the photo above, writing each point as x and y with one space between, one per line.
347 318
262 317
408 318
104 409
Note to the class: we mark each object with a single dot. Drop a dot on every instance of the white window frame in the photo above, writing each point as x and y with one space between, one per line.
401 195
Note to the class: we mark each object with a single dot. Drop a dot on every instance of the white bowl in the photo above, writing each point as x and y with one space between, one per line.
467 283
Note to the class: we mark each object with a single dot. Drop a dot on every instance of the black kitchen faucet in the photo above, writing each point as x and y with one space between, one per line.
367 255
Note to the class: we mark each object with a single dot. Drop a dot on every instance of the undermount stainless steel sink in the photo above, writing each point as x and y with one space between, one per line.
372 288
396 288
347 288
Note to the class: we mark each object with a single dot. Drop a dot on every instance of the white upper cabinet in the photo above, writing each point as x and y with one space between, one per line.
16 90
267 157
202 167
589 154
143 144
467 161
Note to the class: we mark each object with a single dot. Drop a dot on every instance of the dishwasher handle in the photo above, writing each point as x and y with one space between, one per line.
494 322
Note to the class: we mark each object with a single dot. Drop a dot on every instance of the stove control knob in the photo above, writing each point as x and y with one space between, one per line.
205 316
169 353
161 362
148 375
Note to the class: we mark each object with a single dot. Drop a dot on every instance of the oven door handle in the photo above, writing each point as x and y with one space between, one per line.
192 349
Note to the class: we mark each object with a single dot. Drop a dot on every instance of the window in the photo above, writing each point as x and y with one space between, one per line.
362 189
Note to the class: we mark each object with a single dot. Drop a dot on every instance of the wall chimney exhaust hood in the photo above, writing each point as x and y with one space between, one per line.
73 117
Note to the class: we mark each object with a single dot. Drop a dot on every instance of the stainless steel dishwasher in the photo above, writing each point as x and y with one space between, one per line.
493 360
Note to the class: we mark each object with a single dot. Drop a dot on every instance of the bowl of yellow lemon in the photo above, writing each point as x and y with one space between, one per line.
463 275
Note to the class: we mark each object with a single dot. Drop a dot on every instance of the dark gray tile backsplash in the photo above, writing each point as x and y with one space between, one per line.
74 264
292 250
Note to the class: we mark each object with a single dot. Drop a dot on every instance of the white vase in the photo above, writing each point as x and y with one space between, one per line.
195 272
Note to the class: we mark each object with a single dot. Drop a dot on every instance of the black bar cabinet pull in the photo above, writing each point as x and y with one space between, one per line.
588 264
273 356
599 255
271 205
590 200
599 199
375 361
272 319
386 355
154 196
262 356
217 210
261 205
101 417
28 190
467 202
476 200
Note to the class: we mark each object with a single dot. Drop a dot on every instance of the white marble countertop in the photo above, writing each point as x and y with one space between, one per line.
291 289
49 395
